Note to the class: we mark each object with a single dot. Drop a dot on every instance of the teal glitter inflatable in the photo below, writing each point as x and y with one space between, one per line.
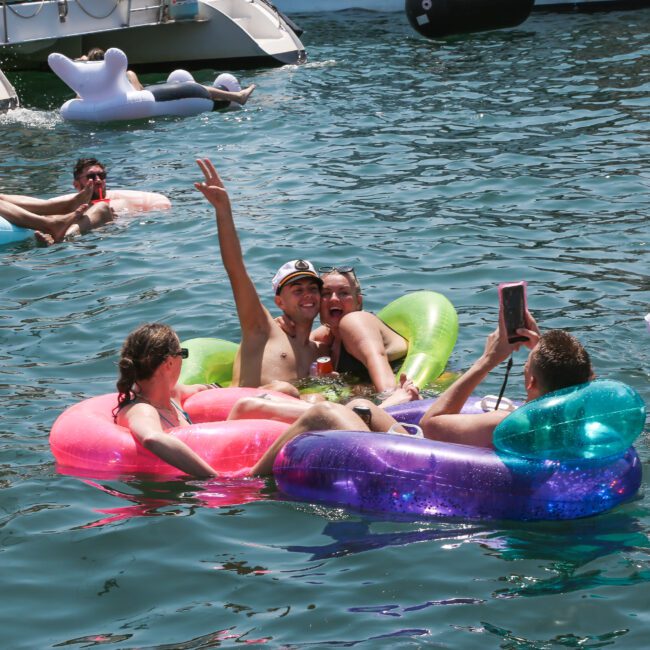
593 420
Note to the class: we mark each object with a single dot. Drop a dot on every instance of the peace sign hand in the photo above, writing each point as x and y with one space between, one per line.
212 188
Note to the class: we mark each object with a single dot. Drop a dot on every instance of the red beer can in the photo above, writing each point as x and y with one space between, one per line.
324 366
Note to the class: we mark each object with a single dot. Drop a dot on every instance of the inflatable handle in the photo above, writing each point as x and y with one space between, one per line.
428 321
209 361
593 420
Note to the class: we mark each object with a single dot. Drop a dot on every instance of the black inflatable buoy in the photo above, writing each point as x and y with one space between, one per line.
437 18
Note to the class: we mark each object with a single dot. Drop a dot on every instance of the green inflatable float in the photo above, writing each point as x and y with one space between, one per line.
426 319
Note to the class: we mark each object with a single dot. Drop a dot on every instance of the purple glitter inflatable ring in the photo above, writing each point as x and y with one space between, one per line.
389 473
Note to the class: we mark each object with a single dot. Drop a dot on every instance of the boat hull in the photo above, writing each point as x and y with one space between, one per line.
224 34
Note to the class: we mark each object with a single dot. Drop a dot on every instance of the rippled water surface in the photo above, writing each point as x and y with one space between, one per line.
452 166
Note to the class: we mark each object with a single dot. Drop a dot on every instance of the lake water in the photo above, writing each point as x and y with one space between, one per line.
450 166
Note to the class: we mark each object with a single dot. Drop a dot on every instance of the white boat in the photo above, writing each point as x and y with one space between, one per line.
8 97
291 7
155 34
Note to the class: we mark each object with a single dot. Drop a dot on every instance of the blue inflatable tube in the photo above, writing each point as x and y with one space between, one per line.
10 233
405 475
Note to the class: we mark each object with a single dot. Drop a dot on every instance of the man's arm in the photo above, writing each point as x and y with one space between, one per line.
253 316
443 420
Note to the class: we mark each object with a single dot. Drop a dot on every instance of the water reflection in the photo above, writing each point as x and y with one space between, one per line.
567 547
174 498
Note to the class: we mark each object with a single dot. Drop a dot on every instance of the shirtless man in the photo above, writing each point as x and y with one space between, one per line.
107 203
268 356
266 353
60 217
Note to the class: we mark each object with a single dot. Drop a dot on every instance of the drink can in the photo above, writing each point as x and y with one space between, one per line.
324 365
364 413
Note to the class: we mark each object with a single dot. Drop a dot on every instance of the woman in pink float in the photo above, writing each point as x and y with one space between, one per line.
149 396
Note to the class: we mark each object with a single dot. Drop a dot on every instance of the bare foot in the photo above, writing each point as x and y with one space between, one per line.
246 93
407 391
83 196
43 238
59 224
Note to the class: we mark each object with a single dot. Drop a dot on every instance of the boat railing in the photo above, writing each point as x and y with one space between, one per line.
36 20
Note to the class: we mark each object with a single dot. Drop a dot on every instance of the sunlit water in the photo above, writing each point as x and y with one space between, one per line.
447 166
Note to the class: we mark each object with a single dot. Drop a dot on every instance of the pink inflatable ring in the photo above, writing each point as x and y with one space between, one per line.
85 440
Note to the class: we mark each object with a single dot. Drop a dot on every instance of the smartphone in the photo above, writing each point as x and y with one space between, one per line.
512 301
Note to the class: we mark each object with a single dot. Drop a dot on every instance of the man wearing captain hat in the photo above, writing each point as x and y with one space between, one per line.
267 354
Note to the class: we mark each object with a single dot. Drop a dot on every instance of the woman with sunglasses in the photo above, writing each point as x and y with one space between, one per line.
149 395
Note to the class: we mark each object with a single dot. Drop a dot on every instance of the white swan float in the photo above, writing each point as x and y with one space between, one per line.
105 94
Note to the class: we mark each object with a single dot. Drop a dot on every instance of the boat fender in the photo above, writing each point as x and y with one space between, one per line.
439 18
598 419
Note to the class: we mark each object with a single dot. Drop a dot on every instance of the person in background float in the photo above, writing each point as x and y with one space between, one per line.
99 205
216 94
149 396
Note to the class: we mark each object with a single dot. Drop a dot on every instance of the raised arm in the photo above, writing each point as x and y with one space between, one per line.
144 422
253 316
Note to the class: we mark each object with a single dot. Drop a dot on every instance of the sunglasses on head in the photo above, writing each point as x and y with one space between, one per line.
183 353
95 175
325 270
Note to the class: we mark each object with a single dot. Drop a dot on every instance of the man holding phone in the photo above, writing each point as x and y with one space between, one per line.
557 360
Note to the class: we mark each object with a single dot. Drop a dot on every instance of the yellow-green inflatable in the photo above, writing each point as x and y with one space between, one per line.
426 319
209 361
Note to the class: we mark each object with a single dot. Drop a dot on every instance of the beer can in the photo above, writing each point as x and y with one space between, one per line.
324 365
364 413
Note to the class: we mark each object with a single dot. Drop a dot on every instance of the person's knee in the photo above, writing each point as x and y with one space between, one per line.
324 415
244 407
282 387
105 212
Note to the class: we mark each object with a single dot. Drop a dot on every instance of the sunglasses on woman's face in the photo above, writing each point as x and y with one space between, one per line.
183 353
96 175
